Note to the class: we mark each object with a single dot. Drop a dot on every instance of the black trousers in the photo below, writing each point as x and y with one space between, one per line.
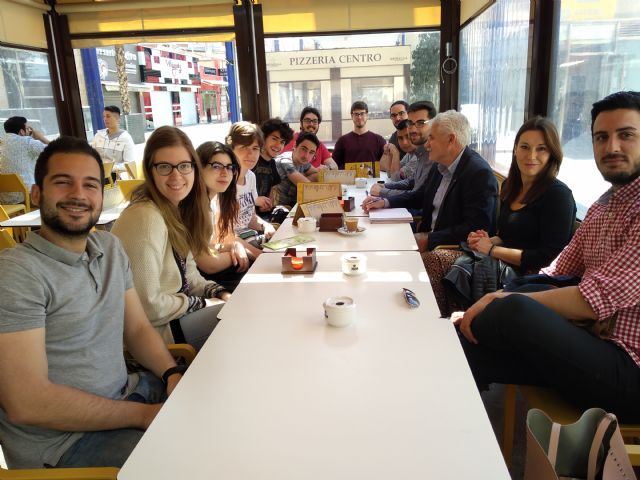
521 341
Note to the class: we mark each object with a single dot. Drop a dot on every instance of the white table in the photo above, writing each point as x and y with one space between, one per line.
276 394
376 237
32 219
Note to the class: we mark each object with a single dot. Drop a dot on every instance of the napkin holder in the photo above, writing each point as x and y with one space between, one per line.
330 222
348 203
291 261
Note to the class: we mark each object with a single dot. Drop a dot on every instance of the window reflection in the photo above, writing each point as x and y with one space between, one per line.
596 52
26 89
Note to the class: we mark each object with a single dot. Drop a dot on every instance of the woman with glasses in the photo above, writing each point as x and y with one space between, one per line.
168 223
246 141
227 259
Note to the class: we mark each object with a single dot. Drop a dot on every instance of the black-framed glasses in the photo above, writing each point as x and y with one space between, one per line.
310 121
358 114
419 123
410 298
218 167
165 169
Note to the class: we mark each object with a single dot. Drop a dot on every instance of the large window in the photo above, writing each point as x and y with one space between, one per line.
493 78
332 72
597 52
26 89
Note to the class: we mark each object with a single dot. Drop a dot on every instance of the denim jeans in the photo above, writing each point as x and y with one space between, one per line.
111 448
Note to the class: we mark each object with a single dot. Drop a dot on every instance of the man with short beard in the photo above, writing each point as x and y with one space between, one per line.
310 120
526 338
360 145
418 163
67 304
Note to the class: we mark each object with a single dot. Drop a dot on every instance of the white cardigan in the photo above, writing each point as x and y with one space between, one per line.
156 275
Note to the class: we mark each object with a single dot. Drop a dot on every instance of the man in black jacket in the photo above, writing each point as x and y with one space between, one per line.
460 193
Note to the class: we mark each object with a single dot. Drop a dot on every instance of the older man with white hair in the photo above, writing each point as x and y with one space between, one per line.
458 197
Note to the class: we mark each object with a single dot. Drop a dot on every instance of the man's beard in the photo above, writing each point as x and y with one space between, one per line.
51 218
620 179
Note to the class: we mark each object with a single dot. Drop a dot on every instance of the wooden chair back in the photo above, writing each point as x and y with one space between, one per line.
128 186
6 239
12 183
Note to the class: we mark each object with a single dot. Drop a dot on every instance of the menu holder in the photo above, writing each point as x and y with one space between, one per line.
364 169
345 177
330 222
292 262
317 208
312 191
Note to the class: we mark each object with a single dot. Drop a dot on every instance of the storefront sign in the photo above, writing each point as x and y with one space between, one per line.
336 58
107 63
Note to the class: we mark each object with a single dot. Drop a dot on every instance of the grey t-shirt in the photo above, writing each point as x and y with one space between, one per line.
286 166
79 300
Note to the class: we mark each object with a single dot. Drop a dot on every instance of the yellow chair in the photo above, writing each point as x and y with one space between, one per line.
12 183
128 186
135 169
3 217
559 411
363 169
108 169
182 351
6 239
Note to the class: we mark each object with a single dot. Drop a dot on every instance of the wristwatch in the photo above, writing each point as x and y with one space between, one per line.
173 370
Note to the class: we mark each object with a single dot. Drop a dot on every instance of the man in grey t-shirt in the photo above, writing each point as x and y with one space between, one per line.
67 303
295 167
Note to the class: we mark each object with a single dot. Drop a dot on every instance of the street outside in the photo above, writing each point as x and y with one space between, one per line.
197 133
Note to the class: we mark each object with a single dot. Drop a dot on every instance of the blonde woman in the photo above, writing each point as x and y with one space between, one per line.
167 223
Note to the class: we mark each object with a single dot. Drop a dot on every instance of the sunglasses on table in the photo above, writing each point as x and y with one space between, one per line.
410 298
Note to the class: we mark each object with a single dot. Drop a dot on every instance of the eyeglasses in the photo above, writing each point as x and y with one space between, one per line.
358 114
218 167
410 298
419 123
399 114
309 121
165 169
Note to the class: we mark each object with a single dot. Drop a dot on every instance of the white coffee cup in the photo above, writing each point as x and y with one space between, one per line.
339 311
307 225
361 182
354 264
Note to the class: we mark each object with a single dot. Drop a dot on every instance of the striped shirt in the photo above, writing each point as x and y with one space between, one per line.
605 253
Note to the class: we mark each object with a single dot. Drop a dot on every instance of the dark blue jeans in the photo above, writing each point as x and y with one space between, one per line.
521 341
111 448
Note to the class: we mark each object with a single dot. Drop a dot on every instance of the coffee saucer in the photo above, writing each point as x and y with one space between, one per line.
344 231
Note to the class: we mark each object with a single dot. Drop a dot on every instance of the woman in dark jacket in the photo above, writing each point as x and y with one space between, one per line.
537 211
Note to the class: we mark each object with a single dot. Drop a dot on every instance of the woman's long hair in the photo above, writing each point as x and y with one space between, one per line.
189 224
229 207
513 184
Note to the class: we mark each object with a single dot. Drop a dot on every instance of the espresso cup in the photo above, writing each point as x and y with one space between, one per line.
361 182
351 224
307 225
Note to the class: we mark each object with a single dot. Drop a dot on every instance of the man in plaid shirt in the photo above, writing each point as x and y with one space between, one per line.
525 337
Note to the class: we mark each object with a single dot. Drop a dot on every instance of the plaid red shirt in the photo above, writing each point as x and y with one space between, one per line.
605 253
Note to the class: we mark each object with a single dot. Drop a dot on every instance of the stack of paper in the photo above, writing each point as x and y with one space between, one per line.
390 215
